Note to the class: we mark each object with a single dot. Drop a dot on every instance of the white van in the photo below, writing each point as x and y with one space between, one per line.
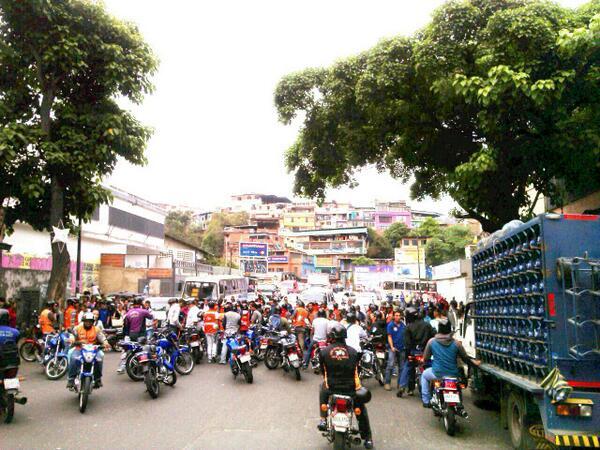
212 287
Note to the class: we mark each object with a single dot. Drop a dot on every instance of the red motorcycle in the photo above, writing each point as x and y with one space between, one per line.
32 346
314 355
417 369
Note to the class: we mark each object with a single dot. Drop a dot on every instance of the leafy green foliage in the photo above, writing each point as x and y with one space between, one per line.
63 66
363 261
396 232
181 225
213 240
379 246
488 100
428 228
448 245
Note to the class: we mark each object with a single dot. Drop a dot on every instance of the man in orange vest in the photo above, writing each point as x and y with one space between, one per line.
211 326
299 320
47 319
86 333
70 319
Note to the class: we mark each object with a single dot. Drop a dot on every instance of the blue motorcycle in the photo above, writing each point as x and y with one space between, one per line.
129 359
54 358
179 355
239 357
254 339
156 366
84 382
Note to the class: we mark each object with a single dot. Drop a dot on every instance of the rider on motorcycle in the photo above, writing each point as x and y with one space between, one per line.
339 363
443 350
8 336
416 336
86 333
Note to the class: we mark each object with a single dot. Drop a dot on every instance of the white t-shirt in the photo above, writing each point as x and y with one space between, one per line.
173 314
355 332
320 328
192 316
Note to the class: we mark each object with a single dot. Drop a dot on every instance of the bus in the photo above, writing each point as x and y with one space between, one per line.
403 287
213 287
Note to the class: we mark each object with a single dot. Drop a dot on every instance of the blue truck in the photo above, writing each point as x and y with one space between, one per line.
535 322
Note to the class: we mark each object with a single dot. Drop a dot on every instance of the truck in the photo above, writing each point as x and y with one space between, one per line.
534 322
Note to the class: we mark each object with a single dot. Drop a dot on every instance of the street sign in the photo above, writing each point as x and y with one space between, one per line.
253 250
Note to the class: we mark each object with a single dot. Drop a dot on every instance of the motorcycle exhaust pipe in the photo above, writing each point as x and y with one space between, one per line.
21 400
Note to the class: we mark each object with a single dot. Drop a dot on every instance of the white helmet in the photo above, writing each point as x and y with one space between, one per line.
88 316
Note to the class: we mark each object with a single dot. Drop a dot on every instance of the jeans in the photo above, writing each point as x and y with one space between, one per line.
300 336
394 358
426 378
211 345
224 350
407 378
363 419
75 364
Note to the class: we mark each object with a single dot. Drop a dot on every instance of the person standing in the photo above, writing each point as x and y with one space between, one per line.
231 325
70 316
192 315
48 318
211 327
395 333
299 321
173 321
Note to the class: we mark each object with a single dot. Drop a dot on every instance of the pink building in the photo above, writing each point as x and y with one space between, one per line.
389 213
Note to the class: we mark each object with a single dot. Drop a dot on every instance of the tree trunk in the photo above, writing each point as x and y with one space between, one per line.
61 260
2 213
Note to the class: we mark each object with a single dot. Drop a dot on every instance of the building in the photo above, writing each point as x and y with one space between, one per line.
388 213
286 262
258 205
333 249
409 258
454 280
419 216
202 219
299 216
262 232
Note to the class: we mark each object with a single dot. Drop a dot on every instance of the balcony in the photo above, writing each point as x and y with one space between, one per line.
332 247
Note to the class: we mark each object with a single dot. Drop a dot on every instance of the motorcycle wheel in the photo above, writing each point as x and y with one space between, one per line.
184 364
297 374
84 393
450 421
339 440
56 368
133 368
151 381
28 351
197 355
116 347
171 379
272 359
247 371
8 409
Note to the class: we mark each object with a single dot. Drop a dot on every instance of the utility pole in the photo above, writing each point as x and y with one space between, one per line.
78 269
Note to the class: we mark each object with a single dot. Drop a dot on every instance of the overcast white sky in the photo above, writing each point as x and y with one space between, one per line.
216 129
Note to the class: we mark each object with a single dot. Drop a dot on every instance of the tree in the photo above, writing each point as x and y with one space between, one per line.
395 233
214 241
488 100
63 66
379 246
363 261
428 228
181 225
448 245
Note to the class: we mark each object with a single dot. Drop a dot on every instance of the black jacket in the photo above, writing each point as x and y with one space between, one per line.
340 368
417 335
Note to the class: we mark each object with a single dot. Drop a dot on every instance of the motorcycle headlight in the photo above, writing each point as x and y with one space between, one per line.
88 357
53 341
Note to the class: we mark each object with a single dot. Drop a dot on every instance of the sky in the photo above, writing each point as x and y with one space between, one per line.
216 131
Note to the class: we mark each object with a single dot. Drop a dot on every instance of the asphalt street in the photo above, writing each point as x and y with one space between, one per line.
210 410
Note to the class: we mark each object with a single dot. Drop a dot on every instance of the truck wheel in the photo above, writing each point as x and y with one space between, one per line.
518 422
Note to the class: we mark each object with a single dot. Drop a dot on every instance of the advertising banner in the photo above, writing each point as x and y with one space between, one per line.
278 259
253 250
253 266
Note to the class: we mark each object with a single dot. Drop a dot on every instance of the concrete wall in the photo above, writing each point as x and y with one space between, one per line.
13 280
116 279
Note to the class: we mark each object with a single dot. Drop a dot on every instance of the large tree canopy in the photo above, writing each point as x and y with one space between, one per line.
493 97
63 66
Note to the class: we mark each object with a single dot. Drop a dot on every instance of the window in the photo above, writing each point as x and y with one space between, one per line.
127 221
415 242
385 219
405 242
423 241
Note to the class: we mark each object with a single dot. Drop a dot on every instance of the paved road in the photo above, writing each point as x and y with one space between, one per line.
209 410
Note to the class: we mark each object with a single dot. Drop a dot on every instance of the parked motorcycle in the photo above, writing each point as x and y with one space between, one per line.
284 350
54 359
368 366
239 357
9 382
342 425
132 366
446 402
156 366
32 346
196 341
179 355
84 382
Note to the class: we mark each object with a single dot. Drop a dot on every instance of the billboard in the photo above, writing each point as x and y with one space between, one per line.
253 250
283 259
255 266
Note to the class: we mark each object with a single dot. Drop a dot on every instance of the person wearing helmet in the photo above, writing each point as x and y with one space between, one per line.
416 336
9 336
86 333
339 363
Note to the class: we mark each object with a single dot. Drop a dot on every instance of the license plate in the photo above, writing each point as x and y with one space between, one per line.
194 344
293 357
263 346
244 358
340 420
451 397
11 383
380 355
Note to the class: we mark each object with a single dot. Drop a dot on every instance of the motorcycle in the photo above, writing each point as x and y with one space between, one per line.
342 425
179 355
196 341
32 346
84 382
240 360
377 345
368 366
9 383
54 359
114 337
156 366
417 367
314 355
132 366
284 350
446 402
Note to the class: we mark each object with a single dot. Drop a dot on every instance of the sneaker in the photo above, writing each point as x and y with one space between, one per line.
368 443
121 370
426 405
387 387
411 393
71 384
400 393
97 384
322 425
223 363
